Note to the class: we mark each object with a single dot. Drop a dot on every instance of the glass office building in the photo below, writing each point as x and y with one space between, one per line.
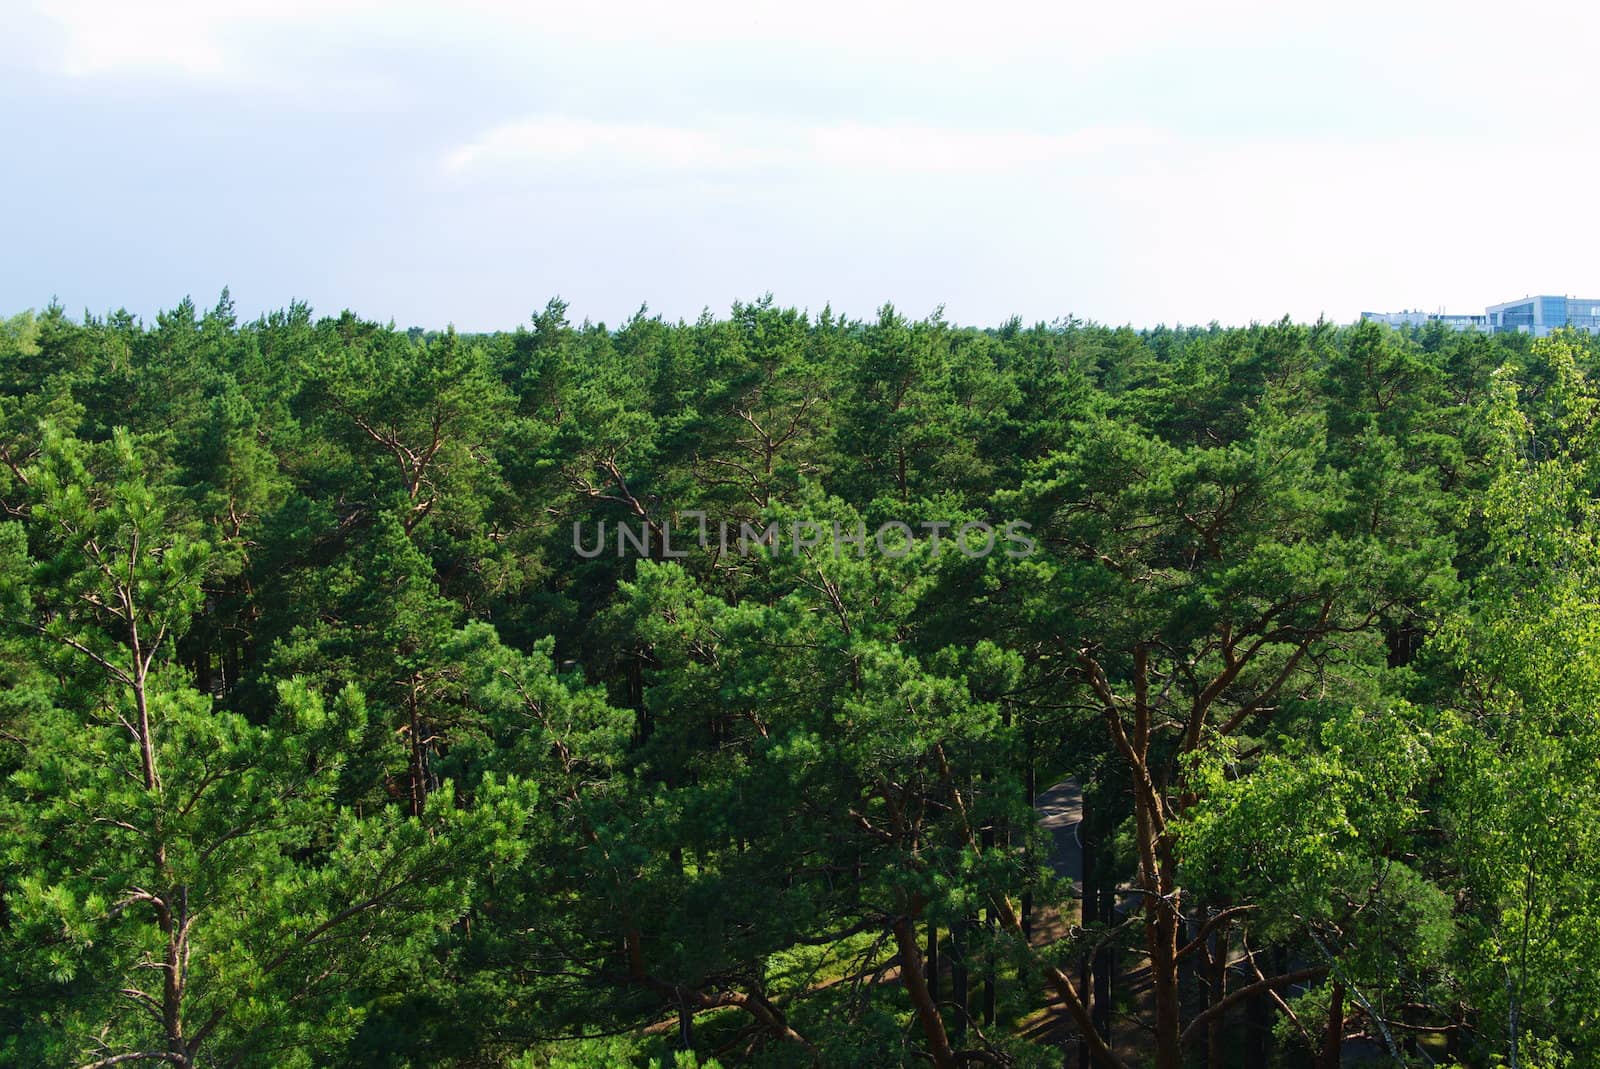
1531 315
1540 315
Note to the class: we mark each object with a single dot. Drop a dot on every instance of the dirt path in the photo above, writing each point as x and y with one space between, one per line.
1060 810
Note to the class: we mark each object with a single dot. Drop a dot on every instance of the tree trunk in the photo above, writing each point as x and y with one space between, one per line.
1333 1035
1088 912
911 972
1258 1018
960 987
989 984
414 726
141 704
1161 934
987 840
1030 786
1452 1038
1216 1052
685 1023
173 918
202 672
1162 940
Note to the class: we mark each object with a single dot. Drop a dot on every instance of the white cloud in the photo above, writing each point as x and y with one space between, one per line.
101 37
566 142
557 140
217 39
925 148
188 38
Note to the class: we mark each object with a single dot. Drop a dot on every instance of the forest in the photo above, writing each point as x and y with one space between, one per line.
373 697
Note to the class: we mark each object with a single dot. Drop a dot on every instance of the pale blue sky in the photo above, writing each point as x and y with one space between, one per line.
1144 163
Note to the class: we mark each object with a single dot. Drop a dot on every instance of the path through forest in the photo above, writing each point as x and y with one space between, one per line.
1060 810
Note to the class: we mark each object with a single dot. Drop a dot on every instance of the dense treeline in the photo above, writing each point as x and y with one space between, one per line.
328 738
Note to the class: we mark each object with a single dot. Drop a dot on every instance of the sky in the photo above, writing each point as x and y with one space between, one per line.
1138 163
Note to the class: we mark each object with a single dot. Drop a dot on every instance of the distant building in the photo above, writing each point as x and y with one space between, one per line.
1540 315
1531 315
1422 319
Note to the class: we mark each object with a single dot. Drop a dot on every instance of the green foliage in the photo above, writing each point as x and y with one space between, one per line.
322 744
